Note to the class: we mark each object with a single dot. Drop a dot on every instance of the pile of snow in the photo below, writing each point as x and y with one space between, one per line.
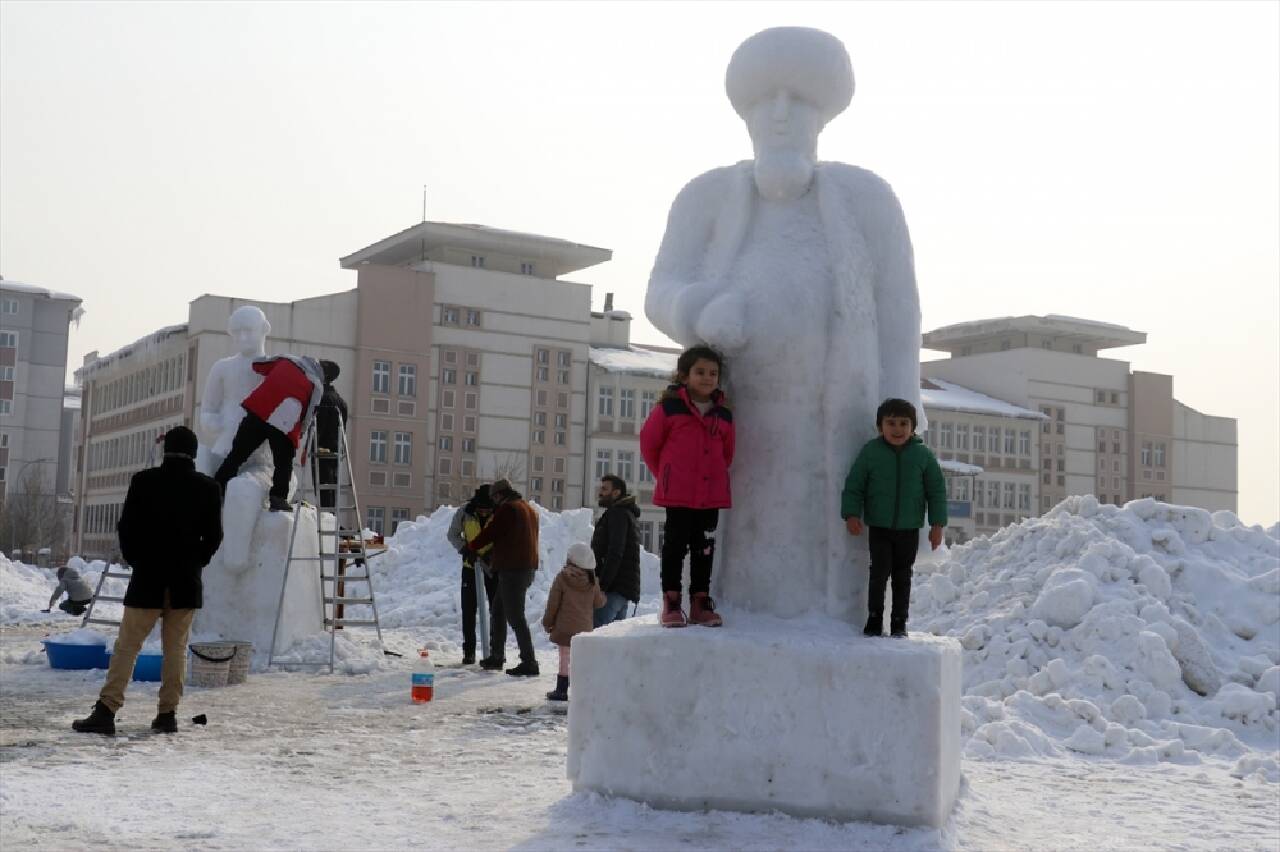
1145 633
25 591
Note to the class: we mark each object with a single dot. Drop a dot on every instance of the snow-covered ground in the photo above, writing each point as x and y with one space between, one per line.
1070 744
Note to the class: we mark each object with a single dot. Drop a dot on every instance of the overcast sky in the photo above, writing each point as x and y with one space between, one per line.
1119 162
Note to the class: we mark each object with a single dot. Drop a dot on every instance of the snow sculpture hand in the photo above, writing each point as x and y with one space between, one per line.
723 323
686 306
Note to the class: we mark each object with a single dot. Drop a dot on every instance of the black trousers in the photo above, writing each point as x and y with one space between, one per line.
73 607
508 608
893 552
686 532
252 432
469 605
328 470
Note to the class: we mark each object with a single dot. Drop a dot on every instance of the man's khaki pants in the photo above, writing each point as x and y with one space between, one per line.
175 628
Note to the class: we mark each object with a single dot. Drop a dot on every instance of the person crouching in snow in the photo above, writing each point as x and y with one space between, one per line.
277 412
574 597
77 590
892 480
687 443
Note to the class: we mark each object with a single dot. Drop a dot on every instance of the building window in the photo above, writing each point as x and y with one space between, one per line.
470 400
535 484
1010 495
446 422
9 306
1045 502
648 399
449 376
947 431
6 373
445 465
381 376
1024 442
605 406
1024 496
643 474
473 379
1100 397
562 376
562 421
627 404
451 357
557 465
1115 448
544 374
1115 466
993 440
604 461
449 316
539 418
562 439
477 260
1077 348
468 445
1010 441
398 516
1159 455
526 268
473 318
557 486
1145 454
564 359
404 448
1102 446
626 462
539 464
562 400
446 399
541 397
8 340
469 423
446 442
374 517
646 535
544 356
408 380
468 468
962 436
979 495
378 446
979 438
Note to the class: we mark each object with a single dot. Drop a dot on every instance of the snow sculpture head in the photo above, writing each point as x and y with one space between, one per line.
249 328
786 83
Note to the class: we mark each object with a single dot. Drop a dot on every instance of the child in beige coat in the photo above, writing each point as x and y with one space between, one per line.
575 595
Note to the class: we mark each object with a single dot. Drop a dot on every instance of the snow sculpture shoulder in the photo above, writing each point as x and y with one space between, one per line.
801 272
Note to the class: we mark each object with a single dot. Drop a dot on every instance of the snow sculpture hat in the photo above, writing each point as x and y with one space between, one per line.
580 554
180 442
811 64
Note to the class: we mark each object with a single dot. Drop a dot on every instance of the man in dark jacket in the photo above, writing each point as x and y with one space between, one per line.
616 545
170 527
331 422
513 532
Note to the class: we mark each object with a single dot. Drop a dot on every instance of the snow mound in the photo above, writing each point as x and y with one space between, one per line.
25 591
1144 633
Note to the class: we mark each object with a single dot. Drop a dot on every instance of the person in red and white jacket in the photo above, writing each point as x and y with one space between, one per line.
687 443
277 412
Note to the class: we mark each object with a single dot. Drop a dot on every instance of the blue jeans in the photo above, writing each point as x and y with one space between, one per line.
614 609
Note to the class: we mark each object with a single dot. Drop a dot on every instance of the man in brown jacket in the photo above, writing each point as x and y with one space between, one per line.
513 532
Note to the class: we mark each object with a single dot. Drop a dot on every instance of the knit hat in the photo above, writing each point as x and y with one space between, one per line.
180 442
580 554
481 499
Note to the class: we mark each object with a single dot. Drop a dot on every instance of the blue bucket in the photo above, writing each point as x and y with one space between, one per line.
65 656
147 666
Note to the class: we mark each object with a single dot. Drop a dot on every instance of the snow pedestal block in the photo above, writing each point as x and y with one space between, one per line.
806 717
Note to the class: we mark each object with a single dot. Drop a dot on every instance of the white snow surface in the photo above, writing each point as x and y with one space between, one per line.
635 360
936 393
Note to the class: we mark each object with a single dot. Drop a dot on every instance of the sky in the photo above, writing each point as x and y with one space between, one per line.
1114 161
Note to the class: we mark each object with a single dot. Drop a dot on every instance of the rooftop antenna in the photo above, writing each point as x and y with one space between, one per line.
424 219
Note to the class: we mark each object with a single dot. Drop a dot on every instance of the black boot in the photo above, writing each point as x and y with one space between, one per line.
898 628
875 625
492 664
165 723
561 692
468 658
100 721
529 669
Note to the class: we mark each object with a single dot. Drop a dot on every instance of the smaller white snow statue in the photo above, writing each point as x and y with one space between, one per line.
801 272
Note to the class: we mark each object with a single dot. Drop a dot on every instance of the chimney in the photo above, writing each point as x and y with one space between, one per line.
608 302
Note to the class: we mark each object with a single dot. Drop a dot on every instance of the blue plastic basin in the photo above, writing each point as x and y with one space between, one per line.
66 656
147 666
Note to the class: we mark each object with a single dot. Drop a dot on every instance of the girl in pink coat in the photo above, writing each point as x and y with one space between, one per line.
687 443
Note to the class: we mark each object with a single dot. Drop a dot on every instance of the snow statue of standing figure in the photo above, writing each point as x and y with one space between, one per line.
801 273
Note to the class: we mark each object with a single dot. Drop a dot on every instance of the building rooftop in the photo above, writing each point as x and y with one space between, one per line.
636 360
18 286
557 256
937 394
1096 335
94 362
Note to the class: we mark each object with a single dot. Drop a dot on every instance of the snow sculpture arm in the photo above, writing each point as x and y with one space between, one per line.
211 420
677 294
896 297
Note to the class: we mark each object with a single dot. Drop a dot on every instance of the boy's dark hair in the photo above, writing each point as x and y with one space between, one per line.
896 408
693 355
331 371
617 482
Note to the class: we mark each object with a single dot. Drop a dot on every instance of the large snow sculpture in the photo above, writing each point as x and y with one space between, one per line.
801 273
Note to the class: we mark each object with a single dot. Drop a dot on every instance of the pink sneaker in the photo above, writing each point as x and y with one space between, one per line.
702 610
672 615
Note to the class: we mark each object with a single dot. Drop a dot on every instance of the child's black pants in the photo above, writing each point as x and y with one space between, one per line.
686 532
893 552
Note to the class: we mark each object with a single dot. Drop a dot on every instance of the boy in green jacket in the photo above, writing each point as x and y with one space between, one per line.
893 478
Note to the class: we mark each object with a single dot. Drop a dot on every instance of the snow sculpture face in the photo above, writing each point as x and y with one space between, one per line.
248 327
784 135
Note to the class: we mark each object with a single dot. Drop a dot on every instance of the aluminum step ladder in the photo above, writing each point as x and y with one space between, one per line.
98 596
334 563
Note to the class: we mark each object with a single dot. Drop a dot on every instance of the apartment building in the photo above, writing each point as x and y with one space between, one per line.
1110 431
34 325
463 358
989 450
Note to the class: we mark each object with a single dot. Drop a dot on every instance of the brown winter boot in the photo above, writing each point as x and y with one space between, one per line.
672 615
702 610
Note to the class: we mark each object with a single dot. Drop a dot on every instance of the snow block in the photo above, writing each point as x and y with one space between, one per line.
802 716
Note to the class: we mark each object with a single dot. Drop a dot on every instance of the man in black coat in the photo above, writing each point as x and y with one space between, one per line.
170 527
616 544
331 421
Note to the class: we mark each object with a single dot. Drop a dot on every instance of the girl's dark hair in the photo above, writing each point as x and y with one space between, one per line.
693 355
896 408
